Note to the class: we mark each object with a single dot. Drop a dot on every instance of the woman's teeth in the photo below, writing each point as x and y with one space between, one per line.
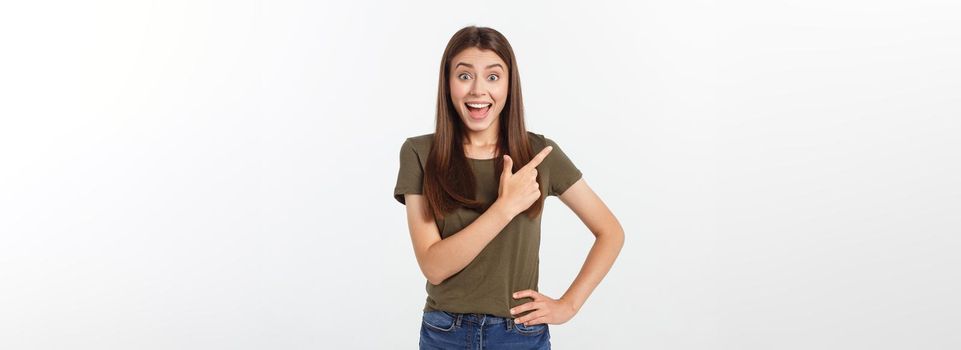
478 111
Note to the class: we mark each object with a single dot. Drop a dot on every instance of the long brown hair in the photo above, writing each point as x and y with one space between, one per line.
448 180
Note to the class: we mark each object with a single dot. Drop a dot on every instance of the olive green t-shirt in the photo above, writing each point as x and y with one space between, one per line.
509 263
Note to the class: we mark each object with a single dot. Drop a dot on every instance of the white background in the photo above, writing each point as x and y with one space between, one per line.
218 175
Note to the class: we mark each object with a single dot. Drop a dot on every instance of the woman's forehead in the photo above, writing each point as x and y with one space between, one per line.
477 59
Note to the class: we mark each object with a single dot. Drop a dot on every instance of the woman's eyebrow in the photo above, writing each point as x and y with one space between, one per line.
472 66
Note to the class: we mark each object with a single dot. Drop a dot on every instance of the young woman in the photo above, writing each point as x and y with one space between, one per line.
474 191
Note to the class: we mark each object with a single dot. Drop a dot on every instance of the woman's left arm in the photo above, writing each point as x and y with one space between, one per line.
609 238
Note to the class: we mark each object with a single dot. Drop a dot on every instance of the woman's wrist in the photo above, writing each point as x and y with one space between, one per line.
501 209
570 303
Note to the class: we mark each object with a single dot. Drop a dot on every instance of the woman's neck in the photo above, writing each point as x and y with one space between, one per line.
484 138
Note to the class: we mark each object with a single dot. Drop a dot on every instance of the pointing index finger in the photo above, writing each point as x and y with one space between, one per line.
539 157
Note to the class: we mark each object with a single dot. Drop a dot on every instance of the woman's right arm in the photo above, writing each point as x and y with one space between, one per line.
441 258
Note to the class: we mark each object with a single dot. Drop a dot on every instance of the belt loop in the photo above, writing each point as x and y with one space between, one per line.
508 323
459 316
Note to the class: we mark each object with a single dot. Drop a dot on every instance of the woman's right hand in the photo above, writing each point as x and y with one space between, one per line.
517 191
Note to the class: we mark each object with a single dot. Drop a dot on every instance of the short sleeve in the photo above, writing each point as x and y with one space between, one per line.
410 175
563 173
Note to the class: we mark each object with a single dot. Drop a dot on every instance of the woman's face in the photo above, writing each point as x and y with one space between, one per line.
478 87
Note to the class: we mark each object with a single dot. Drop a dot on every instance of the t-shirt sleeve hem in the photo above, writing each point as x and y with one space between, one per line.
564 185
399 195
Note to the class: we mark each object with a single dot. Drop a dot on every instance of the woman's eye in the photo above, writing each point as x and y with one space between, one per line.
463 75
493 76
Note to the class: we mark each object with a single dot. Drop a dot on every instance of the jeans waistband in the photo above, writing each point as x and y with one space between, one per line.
480 319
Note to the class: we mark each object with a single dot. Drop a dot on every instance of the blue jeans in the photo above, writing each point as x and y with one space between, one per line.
448 330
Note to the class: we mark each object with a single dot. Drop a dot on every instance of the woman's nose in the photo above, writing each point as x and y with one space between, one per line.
475 88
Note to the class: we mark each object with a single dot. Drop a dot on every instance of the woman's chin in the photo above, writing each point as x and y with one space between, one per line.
478 127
